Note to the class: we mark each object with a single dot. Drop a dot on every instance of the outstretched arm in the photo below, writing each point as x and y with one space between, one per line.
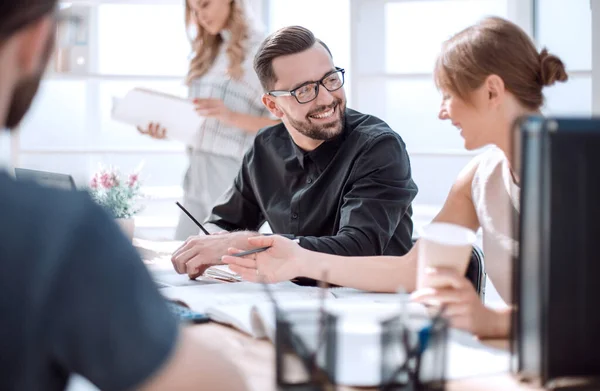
286 259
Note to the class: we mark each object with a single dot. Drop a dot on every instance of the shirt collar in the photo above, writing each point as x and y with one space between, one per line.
323 154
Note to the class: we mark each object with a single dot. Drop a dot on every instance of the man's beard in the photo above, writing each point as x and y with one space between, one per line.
26 89
326 131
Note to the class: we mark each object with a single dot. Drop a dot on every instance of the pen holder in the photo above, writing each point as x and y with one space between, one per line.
304 349
414 353
317 350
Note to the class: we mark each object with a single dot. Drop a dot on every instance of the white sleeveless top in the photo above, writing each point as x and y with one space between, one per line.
496 199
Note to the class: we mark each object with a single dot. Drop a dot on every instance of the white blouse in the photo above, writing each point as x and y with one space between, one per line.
496 199
242 96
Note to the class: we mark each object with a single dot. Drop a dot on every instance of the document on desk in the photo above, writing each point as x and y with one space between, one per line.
141 106
150 249
244 305
469 357
157 258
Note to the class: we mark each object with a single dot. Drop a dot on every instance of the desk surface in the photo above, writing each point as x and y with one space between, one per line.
256 360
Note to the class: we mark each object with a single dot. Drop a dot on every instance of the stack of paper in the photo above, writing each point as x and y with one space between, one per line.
223 273
177 115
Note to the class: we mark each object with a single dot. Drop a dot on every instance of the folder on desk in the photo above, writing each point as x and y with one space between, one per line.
141 106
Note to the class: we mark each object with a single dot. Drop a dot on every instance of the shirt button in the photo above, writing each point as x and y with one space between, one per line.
294 216
309 180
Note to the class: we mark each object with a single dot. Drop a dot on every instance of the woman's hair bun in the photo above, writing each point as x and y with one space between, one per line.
552 69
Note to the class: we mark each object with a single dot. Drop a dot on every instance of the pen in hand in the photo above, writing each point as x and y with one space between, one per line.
257 250
253 251
192 217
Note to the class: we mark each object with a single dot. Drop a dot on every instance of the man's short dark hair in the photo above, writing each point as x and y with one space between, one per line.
283 42
17 14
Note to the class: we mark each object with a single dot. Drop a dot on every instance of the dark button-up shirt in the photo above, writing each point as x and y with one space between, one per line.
350 196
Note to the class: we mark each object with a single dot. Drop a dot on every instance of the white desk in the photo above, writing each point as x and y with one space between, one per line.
256 358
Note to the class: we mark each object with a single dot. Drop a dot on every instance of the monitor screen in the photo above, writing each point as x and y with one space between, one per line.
556 281
43 178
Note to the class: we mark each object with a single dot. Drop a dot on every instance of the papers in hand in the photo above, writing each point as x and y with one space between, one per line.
141 107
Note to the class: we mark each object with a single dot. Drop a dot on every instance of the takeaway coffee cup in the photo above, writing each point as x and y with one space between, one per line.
443 245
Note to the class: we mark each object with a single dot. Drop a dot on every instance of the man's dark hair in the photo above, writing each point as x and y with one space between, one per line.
283 42
17 14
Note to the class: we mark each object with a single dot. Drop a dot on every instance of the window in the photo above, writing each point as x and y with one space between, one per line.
554 23
118 46
395 44
414 30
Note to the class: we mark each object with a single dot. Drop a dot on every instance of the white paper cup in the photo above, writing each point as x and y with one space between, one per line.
443 245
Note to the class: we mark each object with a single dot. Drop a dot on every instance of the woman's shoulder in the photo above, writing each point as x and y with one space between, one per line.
488 160
486 166
484 160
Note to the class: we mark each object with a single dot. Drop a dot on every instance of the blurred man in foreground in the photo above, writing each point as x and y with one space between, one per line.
74 295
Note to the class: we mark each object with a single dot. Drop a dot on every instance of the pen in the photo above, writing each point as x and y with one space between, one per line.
253 251
258 249
192 217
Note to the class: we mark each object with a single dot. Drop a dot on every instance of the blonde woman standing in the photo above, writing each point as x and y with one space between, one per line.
227 93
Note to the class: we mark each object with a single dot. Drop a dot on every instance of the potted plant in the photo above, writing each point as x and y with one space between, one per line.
119 195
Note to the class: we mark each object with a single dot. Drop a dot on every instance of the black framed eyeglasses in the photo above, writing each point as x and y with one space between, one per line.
307 92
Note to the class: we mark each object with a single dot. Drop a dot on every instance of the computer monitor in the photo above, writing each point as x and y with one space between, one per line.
556 275
43 178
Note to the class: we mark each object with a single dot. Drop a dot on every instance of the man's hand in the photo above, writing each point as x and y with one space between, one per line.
464 309
281 262
198 253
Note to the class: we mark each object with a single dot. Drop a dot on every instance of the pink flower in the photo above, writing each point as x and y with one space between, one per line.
106 180
133 179
114 179
94 182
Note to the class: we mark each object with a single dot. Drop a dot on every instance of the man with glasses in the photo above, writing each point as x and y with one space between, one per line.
337 180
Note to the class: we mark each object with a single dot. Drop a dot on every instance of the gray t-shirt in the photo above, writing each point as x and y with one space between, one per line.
74 295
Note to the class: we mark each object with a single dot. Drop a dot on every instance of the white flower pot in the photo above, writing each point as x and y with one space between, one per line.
127 226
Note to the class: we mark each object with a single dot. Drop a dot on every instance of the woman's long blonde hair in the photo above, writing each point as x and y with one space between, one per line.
205 46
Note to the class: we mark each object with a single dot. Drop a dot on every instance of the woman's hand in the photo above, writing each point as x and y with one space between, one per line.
464 308
281 262
212 108
154 130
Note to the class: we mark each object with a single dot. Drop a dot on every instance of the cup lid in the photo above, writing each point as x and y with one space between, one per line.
449 234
